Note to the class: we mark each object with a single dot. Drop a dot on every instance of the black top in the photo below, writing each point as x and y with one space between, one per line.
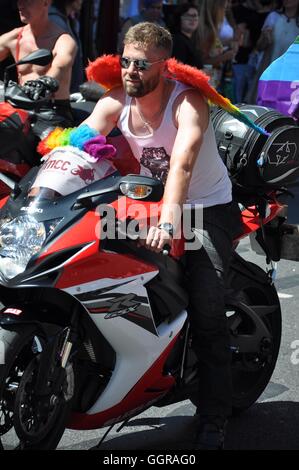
62 20
184 51
254 22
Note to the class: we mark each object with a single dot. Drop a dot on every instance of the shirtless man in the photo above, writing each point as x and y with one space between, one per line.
41 33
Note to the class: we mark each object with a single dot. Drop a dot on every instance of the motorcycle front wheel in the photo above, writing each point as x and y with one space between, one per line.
32 422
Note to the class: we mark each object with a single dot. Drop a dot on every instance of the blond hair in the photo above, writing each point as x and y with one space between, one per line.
148 34
211 15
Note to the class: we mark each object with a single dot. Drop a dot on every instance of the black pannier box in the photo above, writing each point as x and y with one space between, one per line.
257 163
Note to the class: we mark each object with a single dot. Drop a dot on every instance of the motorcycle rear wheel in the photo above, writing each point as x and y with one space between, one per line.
252 370
20 355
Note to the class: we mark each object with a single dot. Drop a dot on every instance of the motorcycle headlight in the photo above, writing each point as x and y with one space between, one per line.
20 239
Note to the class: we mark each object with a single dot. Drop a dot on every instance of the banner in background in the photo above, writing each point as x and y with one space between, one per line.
279 84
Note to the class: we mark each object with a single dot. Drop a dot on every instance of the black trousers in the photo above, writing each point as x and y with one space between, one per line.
207 268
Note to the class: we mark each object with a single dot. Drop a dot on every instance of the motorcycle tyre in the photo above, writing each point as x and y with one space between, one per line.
15 340
244 401
251 291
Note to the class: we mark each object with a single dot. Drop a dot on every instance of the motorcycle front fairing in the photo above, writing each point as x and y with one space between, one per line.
49 241
71 268
29 226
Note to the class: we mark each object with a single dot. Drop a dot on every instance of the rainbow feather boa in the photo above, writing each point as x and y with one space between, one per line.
106 71
84 138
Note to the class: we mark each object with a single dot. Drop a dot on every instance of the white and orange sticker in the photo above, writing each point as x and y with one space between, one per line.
13 311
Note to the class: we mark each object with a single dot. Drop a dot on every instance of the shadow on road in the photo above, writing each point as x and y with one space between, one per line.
268 426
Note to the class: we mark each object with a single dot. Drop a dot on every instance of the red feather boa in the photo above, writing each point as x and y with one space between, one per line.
106 71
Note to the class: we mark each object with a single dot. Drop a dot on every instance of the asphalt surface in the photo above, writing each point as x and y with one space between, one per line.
272 423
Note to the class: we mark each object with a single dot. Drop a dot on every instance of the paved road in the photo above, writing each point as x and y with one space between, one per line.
272 423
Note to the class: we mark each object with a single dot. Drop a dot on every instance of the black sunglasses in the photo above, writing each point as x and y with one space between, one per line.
139 64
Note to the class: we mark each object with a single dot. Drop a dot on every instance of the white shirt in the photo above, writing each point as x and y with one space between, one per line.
285 31
210 184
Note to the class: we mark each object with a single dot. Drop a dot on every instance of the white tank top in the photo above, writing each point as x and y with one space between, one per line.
209 185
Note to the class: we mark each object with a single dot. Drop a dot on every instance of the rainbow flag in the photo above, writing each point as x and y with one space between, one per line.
279 84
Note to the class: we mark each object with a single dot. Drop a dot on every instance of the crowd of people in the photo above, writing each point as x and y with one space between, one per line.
232 40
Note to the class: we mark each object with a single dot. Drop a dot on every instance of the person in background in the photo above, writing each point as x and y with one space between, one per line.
211 17
64 13
280 30
129 8
230 37
249 16
229 30
40 32
151 10
185 45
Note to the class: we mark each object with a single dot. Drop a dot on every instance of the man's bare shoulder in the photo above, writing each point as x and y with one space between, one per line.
8 43
8 38
117 93
112 100
65 40
107 111
65 49
192 96
191 106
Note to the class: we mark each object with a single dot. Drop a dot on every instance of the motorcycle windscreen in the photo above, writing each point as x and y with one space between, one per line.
66 170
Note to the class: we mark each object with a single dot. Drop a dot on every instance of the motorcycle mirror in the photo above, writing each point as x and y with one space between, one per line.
133 186
141 187
135 191
8 181
11 184
38 57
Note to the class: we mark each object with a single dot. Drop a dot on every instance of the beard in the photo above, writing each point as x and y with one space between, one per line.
140 88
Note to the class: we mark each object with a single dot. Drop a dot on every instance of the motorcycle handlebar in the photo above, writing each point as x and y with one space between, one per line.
40 88
134 237
30 95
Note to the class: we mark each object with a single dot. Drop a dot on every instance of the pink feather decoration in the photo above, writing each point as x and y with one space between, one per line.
98 149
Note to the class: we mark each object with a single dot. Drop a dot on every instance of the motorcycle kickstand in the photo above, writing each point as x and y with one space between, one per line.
97 446
124 423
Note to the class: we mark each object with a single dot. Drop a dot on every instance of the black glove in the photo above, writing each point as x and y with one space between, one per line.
40 88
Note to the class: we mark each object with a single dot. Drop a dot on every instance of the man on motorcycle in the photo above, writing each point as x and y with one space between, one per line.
39 32
168 128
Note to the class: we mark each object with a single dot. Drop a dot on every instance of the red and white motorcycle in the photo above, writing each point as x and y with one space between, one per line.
94 329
